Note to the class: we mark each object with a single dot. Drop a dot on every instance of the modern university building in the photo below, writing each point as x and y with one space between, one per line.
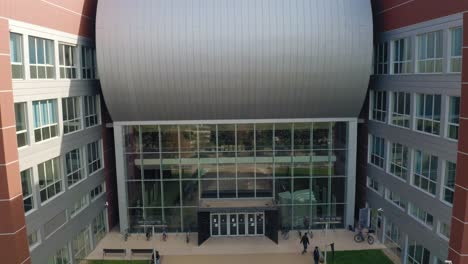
234 118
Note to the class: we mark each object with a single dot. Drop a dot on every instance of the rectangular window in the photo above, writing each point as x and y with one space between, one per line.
377 155
101 188
45 119
67 61
71 111
374 185
91 111
430 52
402 56
453 121
444 230
93 151
41 58
379 106
79 205
456 40
88 62
26 185
382 58
50 178
449 181
401 107
421 215
21 124
99 227
73 166
393 237
34 239
81 245
425 172
417 254
394 198
62 256
16 56
399 161
428 107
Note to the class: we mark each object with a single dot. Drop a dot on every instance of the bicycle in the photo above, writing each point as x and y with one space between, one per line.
285 233
361 237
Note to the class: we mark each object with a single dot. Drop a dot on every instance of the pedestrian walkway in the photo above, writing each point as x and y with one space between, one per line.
176 244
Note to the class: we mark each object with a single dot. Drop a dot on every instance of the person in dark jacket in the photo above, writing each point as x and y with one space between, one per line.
305 242
316 255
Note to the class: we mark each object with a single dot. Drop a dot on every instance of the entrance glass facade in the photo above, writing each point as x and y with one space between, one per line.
170 168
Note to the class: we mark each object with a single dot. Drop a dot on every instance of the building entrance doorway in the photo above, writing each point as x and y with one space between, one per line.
237 224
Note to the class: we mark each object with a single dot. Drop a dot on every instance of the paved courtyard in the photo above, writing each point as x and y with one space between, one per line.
242 249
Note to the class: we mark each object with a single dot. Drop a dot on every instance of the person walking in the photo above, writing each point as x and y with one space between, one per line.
305 242
316 255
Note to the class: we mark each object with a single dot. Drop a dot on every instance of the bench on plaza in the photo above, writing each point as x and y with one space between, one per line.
141 251
120 251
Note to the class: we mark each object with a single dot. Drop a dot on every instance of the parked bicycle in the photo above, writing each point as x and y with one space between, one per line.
363 236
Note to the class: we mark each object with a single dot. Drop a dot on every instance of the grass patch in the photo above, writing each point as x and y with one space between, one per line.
359 257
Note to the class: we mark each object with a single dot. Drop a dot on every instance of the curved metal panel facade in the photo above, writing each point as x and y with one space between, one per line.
233 59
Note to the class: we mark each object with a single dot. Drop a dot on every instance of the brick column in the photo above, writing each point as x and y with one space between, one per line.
13 237
458 246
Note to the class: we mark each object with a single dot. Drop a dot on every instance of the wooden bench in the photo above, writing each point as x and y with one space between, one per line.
141 251
120 251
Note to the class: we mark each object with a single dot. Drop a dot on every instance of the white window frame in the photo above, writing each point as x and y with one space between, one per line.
73 68
37 242
374 185
405 60
99 157
439 228
382 64
31 185
61 254
97 191
21 53
372 157
450 124
425 177
420 212
45 64
423 249
73 172
396 146
394 114
81 242
433 121
76 111
89 113
49 126
79 205
395 199
434 60
88 63
374 111
24 108
445 168
57 178
455 58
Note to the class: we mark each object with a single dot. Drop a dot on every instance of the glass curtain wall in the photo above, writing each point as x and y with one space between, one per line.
169 168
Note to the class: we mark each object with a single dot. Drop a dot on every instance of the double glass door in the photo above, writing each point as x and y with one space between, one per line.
238 224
